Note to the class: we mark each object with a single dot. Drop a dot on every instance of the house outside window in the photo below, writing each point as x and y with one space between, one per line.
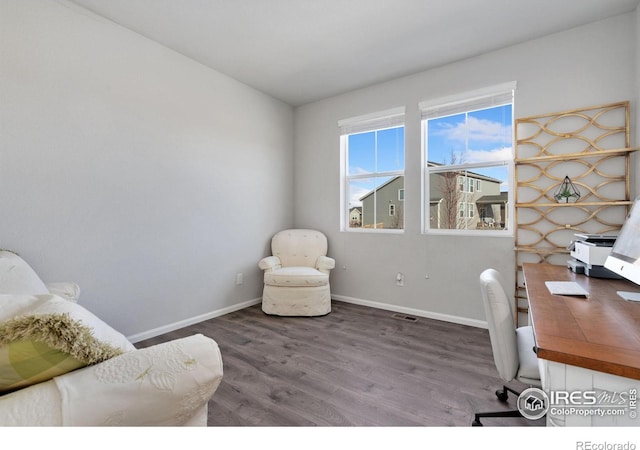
372 171
468 162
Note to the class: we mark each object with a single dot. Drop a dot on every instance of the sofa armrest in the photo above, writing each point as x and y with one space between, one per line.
65 289
164 385
34 406
270 263
325 264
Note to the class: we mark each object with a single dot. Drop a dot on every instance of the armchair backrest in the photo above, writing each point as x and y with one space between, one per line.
299 247
17 277
500 319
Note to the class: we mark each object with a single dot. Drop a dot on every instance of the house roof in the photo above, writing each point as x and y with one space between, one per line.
474 174
493 199
380 187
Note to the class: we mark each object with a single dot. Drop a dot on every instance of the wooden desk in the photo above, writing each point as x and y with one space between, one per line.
585 344
601 332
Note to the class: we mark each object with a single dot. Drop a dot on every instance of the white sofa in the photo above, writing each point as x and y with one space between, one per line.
62 366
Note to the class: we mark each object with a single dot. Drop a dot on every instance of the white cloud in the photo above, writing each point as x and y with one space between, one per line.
356 193
358 171
482 156
475 129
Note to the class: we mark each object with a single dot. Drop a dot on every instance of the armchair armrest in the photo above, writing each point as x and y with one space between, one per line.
65 289
270 263
165 384
325 264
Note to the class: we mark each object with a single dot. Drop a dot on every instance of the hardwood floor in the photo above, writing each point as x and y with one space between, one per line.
357 366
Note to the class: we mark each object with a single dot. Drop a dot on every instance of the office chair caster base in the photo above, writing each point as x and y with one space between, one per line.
503 394
476 418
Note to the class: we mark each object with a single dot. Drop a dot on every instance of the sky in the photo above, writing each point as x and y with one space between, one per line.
476 137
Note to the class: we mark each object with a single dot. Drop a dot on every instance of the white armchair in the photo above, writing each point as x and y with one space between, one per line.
62 366
296 276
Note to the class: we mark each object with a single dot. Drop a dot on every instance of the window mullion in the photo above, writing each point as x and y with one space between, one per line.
462 167
375 187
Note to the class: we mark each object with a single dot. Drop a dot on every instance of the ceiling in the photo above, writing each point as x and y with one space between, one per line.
300 51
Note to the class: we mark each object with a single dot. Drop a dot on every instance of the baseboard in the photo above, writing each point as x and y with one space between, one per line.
413 311
186 322
356 301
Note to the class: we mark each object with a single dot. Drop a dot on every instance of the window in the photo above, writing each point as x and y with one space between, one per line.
468 162
372 150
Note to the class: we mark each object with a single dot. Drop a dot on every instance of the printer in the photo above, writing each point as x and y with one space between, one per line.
589 253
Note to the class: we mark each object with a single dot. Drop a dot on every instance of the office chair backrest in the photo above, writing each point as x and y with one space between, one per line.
501 324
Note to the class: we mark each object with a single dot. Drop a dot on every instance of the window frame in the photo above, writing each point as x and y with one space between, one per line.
378 121
457 104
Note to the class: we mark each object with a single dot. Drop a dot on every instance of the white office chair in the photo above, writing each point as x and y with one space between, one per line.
513 348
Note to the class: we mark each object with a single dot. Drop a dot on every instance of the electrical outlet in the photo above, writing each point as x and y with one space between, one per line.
239 278
400 279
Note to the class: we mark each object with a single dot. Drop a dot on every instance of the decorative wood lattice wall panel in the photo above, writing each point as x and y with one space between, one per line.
592 147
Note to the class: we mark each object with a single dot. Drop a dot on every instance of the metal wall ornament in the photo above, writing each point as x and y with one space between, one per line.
566 192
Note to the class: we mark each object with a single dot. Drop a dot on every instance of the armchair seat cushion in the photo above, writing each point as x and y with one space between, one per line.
296 276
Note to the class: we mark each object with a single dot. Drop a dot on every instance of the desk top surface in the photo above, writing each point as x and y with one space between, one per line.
600 332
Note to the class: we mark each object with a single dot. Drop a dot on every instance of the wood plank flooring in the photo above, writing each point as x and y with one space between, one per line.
357 366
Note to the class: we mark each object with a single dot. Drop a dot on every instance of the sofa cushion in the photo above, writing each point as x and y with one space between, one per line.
17 277
296 276
44 336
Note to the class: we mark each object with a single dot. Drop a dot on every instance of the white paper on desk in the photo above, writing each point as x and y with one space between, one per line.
566 288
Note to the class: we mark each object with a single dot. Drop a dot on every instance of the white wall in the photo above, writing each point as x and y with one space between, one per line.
587 66
146 177
152 180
